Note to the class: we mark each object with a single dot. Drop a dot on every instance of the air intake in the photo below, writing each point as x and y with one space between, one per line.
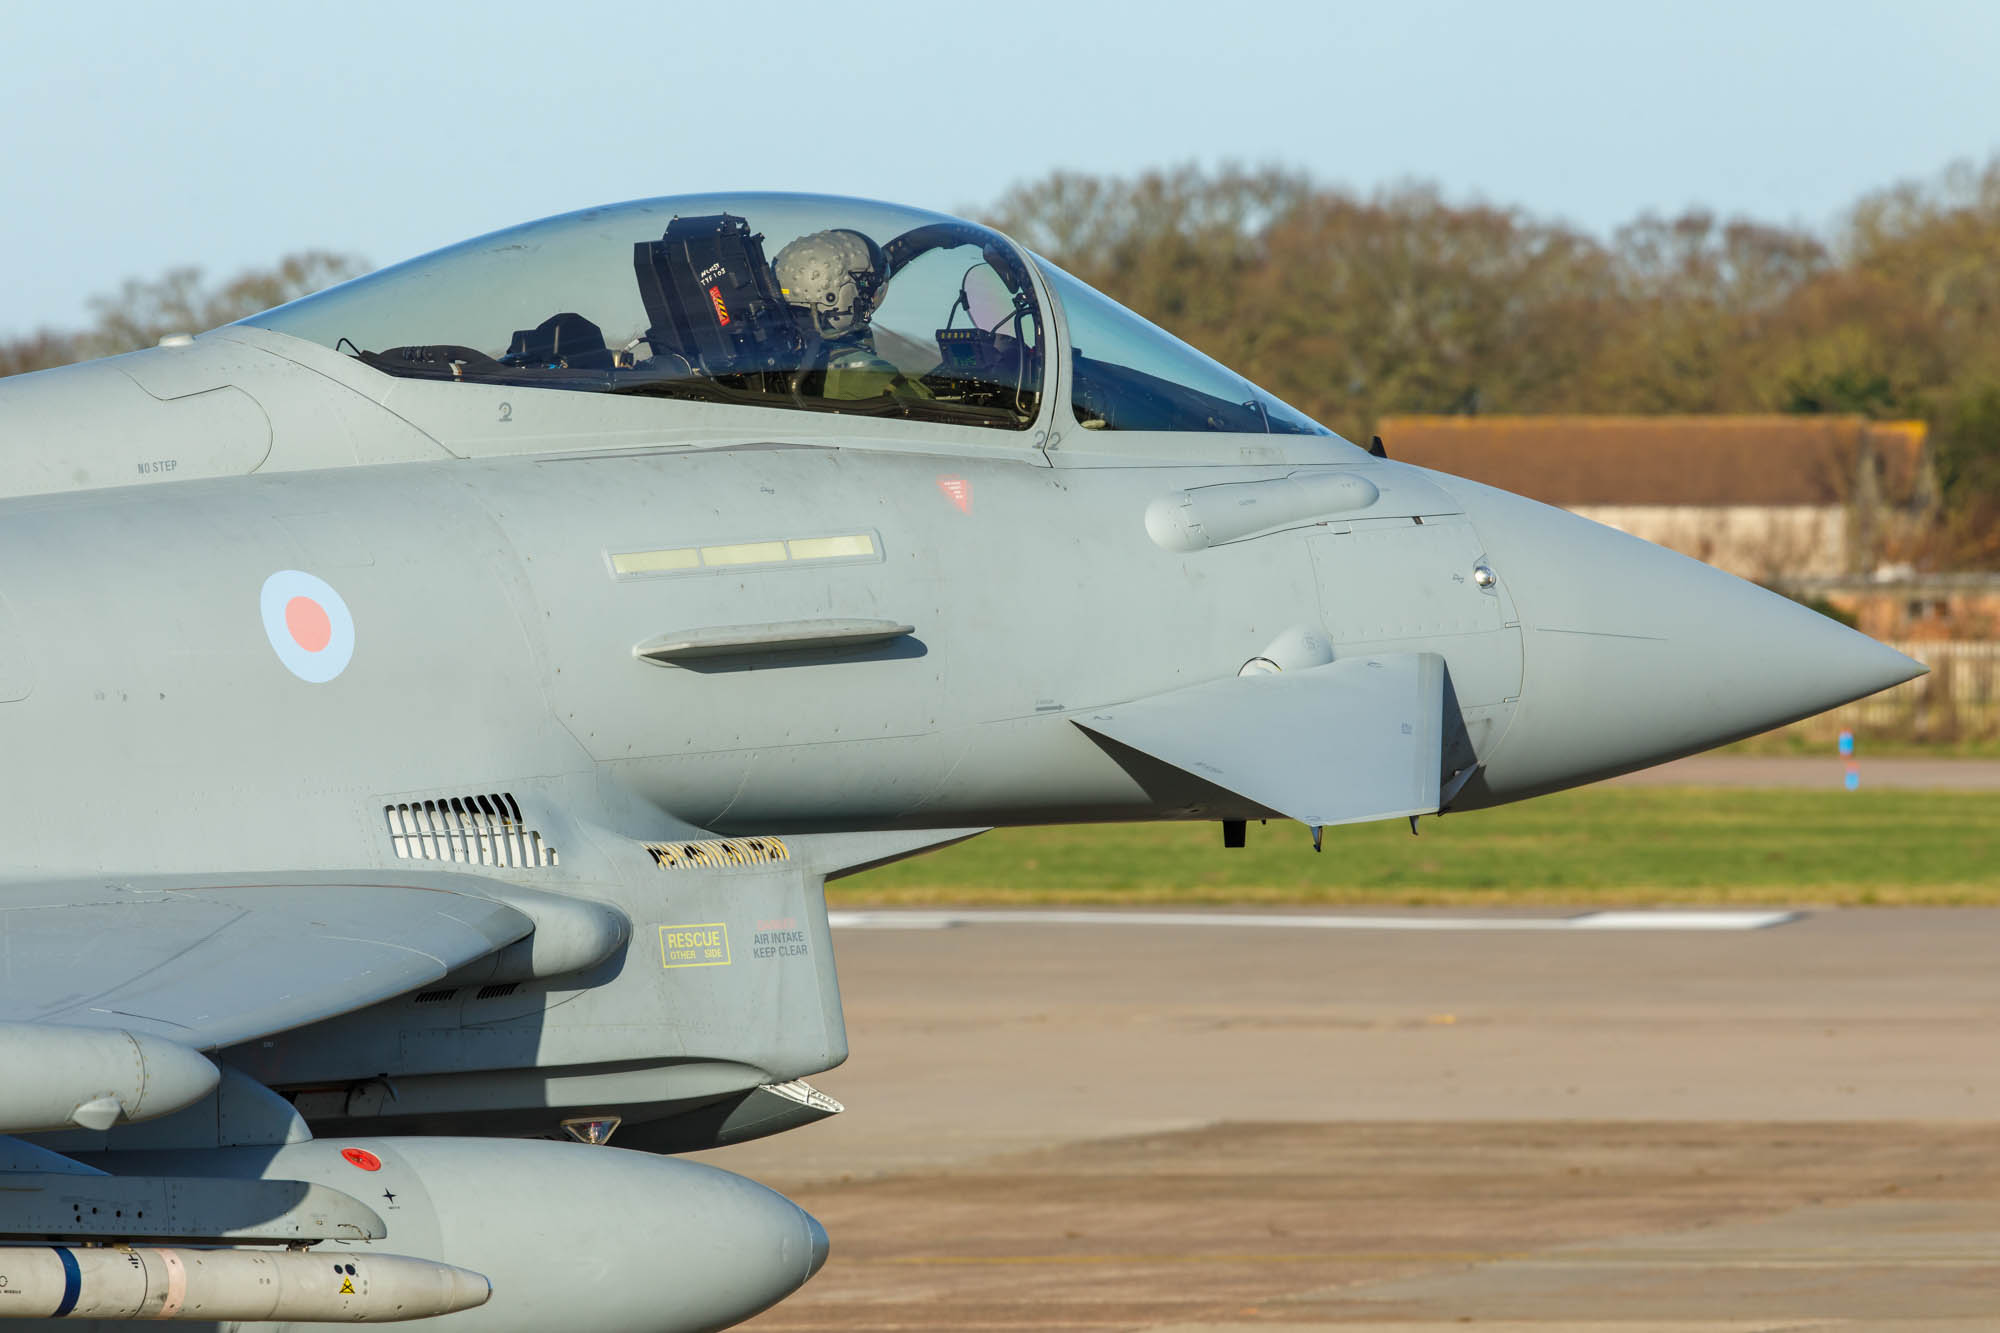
718 853
475 830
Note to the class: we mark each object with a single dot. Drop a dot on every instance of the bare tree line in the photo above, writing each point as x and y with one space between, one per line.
139 313
1353 307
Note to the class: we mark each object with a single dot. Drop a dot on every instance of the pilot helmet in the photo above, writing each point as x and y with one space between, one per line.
837 275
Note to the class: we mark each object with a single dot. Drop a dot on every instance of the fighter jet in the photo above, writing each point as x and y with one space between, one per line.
433 708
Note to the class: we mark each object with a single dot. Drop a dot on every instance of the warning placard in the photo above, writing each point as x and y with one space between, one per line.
702 944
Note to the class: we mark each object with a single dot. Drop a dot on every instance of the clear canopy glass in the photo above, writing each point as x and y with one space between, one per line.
1130 374
775 300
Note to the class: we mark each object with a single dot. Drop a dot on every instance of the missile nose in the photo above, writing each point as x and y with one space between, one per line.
817 1244
1632 654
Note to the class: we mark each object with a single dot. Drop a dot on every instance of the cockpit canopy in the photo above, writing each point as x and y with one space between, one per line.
776 300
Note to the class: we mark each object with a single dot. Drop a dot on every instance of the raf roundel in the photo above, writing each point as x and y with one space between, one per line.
309 626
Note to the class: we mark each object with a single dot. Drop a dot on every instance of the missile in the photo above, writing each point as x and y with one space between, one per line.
42 1282
69 1077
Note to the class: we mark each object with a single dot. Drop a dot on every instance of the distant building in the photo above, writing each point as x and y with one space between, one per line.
1771 498
1895 603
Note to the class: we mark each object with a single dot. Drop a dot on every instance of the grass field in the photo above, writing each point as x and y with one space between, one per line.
1601 845
1793 742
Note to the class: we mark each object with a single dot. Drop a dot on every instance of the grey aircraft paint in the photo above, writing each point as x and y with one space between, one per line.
453 739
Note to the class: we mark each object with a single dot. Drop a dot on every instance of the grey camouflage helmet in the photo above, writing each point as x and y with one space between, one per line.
835 274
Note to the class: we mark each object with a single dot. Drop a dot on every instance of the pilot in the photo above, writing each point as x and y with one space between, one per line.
835 277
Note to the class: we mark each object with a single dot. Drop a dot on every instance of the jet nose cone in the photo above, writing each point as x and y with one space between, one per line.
1856 666
1633 654
816 1243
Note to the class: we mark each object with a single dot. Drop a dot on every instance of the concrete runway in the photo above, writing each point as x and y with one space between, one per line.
1221 1129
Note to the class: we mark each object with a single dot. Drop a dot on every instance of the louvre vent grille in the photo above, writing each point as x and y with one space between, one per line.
436 996
718 853
478 830
500 991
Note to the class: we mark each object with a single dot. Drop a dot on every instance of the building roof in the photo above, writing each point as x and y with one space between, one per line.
1705 461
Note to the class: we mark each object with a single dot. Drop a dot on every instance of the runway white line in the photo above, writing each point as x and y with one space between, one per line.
1615 921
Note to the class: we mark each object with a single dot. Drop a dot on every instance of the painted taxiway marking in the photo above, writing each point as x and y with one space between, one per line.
1617 921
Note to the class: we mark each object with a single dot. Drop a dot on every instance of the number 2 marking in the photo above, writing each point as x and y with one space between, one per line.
506 411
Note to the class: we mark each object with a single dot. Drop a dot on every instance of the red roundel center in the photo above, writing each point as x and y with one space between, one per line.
362 1158
310 628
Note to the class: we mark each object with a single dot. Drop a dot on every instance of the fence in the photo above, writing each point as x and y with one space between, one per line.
1958 700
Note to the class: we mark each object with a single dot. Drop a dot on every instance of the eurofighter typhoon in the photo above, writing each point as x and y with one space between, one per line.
433 708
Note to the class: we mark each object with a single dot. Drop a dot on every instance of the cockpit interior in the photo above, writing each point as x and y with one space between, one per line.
790 301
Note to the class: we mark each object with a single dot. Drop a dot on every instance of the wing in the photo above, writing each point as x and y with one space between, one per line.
1357 739
207 961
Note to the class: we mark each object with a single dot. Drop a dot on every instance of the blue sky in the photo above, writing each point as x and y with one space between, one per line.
144 136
